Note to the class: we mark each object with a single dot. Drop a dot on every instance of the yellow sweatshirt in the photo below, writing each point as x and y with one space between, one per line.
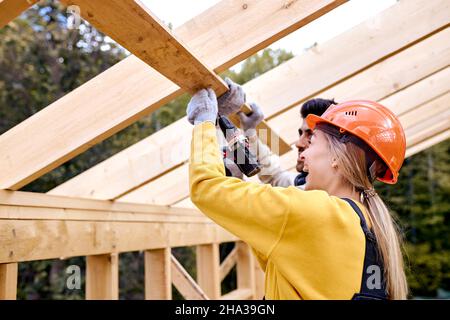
310 244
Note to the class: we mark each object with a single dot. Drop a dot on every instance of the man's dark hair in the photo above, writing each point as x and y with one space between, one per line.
316 106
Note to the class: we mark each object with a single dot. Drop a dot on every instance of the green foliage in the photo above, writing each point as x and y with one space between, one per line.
41 60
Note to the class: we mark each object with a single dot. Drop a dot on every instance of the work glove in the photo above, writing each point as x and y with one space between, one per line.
250 122
232 100
202 107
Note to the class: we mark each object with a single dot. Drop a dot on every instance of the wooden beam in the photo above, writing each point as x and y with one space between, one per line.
38 226
33 206
440 105
131 24
228 264
208 274
131 89
245 268
135 27
115 176
102 277
185 284
28 240
158 278
387 33
428 143
259 281
402 82
10 9
8 281
382 81
238 294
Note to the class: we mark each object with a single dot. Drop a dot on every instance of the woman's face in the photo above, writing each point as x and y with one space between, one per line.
319 163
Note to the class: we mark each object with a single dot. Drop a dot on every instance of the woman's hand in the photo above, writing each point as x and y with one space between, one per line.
202 107
232 100
250 122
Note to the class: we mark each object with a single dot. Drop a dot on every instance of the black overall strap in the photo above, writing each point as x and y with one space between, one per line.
373 285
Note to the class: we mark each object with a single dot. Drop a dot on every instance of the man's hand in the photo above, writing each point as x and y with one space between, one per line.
232 100
202 107
250 122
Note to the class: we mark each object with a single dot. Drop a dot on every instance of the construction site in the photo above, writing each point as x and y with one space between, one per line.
95 166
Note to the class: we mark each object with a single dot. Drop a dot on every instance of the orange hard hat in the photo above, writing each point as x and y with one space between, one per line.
375 125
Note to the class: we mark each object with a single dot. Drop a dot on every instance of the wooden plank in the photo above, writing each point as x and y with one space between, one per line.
185 284
28 240
422 91
135 27
131 89
228 264
291 75
427 129
102 277
186 202
440 105
10 9
131 24
238 294
31 213
382 81
370 42
158 278
208 272
8 281
259 281
24 206
245 268
428 143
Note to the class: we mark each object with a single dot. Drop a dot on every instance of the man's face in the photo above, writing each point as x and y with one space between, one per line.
304 139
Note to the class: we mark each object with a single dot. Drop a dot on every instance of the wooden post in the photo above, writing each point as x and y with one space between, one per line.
184 283
8 281
259 281
208 269
158 278
245 268
102 277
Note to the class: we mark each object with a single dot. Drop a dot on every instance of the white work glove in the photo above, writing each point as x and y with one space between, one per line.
250 122
232 100
202 107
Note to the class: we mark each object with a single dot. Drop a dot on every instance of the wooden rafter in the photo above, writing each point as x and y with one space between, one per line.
131 89
428 143
118 175
134 26
10 9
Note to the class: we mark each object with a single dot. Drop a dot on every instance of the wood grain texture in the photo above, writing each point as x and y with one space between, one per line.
221 36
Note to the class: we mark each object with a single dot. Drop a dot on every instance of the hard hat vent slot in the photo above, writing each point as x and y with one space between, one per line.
351 113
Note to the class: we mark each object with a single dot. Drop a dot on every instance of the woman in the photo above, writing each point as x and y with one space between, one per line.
336 239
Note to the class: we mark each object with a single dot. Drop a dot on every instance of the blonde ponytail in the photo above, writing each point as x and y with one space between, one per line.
352 164
389 244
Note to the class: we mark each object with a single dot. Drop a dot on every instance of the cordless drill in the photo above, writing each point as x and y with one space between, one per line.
238 148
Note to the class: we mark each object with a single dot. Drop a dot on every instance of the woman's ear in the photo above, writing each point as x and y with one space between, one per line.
334 163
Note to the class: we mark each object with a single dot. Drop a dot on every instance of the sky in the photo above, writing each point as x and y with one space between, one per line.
326 27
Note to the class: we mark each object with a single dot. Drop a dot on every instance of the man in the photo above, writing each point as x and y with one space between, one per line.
271 171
